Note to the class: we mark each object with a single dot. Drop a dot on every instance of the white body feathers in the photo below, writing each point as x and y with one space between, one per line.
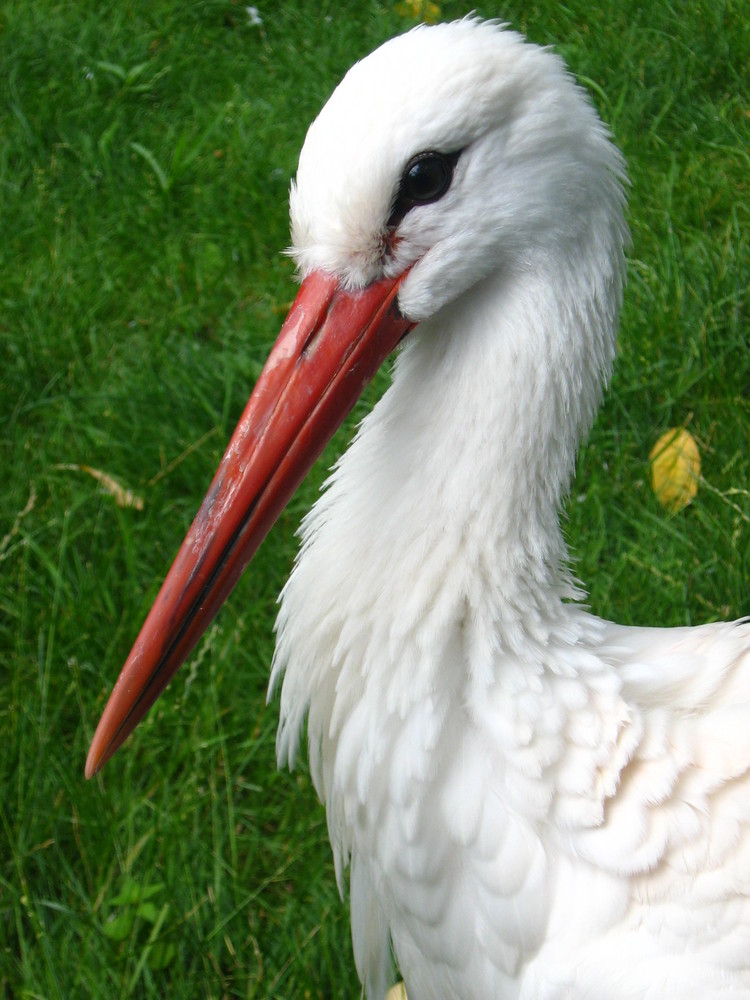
535 804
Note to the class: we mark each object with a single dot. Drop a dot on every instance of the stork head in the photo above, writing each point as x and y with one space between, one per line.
450 153
454 151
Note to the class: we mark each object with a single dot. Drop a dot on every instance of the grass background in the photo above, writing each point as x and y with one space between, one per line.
145 158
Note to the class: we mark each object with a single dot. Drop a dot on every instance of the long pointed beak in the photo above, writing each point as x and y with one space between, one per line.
330 346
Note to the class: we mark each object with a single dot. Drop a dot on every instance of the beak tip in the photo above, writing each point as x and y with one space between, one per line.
98 755
93 762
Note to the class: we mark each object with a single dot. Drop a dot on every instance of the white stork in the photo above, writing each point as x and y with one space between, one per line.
534 803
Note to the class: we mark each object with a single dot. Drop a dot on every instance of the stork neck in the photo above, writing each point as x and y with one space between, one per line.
437 543
488 404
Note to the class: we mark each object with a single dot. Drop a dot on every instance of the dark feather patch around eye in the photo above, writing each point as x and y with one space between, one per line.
426 178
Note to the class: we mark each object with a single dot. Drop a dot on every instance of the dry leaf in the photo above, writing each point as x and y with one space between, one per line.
397 992
122 496
17 522
675 468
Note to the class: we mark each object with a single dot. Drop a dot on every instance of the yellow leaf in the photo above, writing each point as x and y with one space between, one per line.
397 992
419 10
675 468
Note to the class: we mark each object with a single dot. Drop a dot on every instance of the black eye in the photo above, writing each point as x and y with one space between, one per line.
426 178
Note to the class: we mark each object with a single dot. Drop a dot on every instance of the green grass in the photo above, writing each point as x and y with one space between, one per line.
145 157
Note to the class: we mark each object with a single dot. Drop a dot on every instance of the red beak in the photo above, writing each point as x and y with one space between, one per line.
330 346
